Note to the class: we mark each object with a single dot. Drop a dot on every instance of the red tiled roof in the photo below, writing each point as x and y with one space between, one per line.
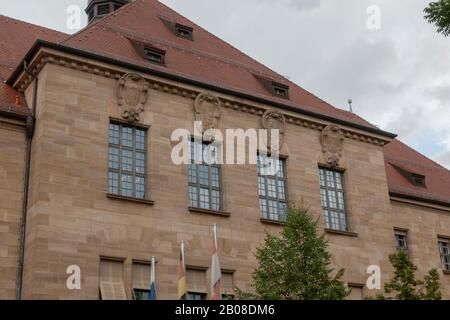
207 59
16 38
437 178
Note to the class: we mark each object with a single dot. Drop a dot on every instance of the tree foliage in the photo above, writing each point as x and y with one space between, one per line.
438 13
296 264
405 286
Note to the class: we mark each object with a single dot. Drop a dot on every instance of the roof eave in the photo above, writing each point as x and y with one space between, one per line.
164 74
420 199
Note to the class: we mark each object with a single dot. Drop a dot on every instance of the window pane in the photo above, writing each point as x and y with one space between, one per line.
323 195
204 174
113 158
113 183
215 205
140 187
192 173
113 134
263 206
215 177
127 185
262 186
338 177
273 210
282 211
272 188
322 177
140 163
140 139
127 137
127 160
282 190
204 198
193 197
327 219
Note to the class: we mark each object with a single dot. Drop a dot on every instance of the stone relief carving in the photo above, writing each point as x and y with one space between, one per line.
132 95
272 120
208 110
332 140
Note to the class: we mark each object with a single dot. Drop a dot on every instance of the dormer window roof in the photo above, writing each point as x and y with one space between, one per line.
150 53
178 29
417 179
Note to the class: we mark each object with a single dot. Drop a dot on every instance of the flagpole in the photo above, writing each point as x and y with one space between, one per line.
153 269
182 288
153 295
216 271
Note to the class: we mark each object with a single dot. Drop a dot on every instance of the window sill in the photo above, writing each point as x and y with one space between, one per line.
210 212
273 222
447 272
342 233
130 199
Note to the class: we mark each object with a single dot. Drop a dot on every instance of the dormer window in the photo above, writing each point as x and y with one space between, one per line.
418 180
154 55
275 88
184 31
414 178
281 91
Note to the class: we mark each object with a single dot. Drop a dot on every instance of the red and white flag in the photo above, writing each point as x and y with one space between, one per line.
216 272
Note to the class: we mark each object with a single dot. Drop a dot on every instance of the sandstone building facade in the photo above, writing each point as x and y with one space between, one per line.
87 178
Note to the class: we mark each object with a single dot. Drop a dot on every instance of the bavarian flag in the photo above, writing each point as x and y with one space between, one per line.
182 289
153 293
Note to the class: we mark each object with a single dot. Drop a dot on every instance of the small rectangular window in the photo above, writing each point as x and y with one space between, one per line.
280 90
111 280
103 9
205 181
333 199
272 184
127 161
184 32
418 180
401 240
444 250
227 286
154 55
141 281
196 284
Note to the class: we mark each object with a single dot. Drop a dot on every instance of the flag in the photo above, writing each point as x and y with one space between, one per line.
182 289
153 295
216 272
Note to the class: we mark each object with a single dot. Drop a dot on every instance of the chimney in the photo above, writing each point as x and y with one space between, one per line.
97 9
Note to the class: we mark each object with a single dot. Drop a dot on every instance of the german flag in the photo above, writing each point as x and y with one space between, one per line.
182 289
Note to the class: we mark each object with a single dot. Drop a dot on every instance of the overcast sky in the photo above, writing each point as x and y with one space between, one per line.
397 75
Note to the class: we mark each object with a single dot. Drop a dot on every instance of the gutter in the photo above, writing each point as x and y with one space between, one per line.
30 125
171 76
420 199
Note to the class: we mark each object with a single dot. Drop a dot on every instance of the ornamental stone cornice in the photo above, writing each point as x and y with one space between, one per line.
50 56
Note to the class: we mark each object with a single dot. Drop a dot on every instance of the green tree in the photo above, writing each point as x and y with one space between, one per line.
296 264
432 286
405 286
438 13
